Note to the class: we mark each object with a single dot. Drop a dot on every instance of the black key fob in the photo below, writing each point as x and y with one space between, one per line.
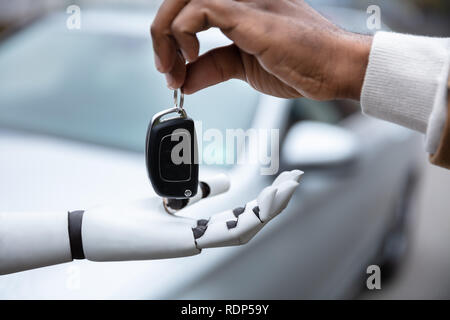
171 154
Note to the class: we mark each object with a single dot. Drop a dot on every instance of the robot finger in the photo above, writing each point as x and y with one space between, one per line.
232 227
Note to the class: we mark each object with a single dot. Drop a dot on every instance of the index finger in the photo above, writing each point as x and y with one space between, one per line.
163 43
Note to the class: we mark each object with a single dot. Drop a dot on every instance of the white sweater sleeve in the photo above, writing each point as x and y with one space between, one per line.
406 83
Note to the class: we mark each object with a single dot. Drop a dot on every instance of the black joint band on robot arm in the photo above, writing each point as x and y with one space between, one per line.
76 240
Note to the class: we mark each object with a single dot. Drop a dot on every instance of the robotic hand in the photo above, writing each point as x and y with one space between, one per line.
139 230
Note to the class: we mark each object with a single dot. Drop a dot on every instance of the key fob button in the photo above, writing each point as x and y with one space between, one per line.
171 171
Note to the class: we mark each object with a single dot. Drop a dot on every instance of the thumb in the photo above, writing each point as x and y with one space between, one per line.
215 66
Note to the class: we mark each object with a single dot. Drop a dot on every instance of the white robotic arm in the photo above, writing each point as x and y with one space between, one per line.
139 230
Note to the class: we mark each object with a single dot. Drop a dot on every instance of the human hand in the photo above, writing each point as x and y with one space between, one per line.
282 48
143 229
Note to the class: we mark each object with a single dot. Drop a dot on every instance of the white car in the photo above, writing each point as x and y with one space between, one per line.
74 109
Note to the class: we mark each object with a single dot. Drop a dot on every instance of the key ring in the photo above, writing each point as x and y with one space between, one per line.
179 105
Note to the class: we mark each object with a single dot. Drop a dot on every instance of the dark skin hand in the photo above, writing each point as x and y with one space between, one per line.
283 48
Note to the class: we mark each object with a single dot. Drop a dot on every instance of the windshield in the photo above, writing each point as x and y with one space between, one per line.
100 87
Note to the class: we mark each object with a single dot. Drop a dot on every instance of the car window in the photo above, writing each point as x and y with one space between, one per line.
100 88
322 111
305 109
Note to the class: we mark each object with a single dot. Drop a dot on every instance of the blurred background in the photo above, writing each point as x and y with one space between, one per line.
423 272
426 17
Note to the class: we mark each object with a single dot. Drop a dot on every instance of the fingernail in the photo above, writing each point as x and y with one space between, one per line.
158 63
170 81
185 56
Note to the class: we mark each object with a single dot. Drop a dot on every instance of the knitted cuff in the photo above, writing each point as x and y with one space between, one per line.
403 78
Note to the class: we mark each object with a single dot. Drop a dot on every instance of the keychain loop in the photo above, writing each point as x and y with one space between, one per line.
179 105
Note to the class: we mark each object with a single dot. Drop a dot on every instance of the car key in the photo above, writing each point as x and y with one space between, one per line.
171 153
